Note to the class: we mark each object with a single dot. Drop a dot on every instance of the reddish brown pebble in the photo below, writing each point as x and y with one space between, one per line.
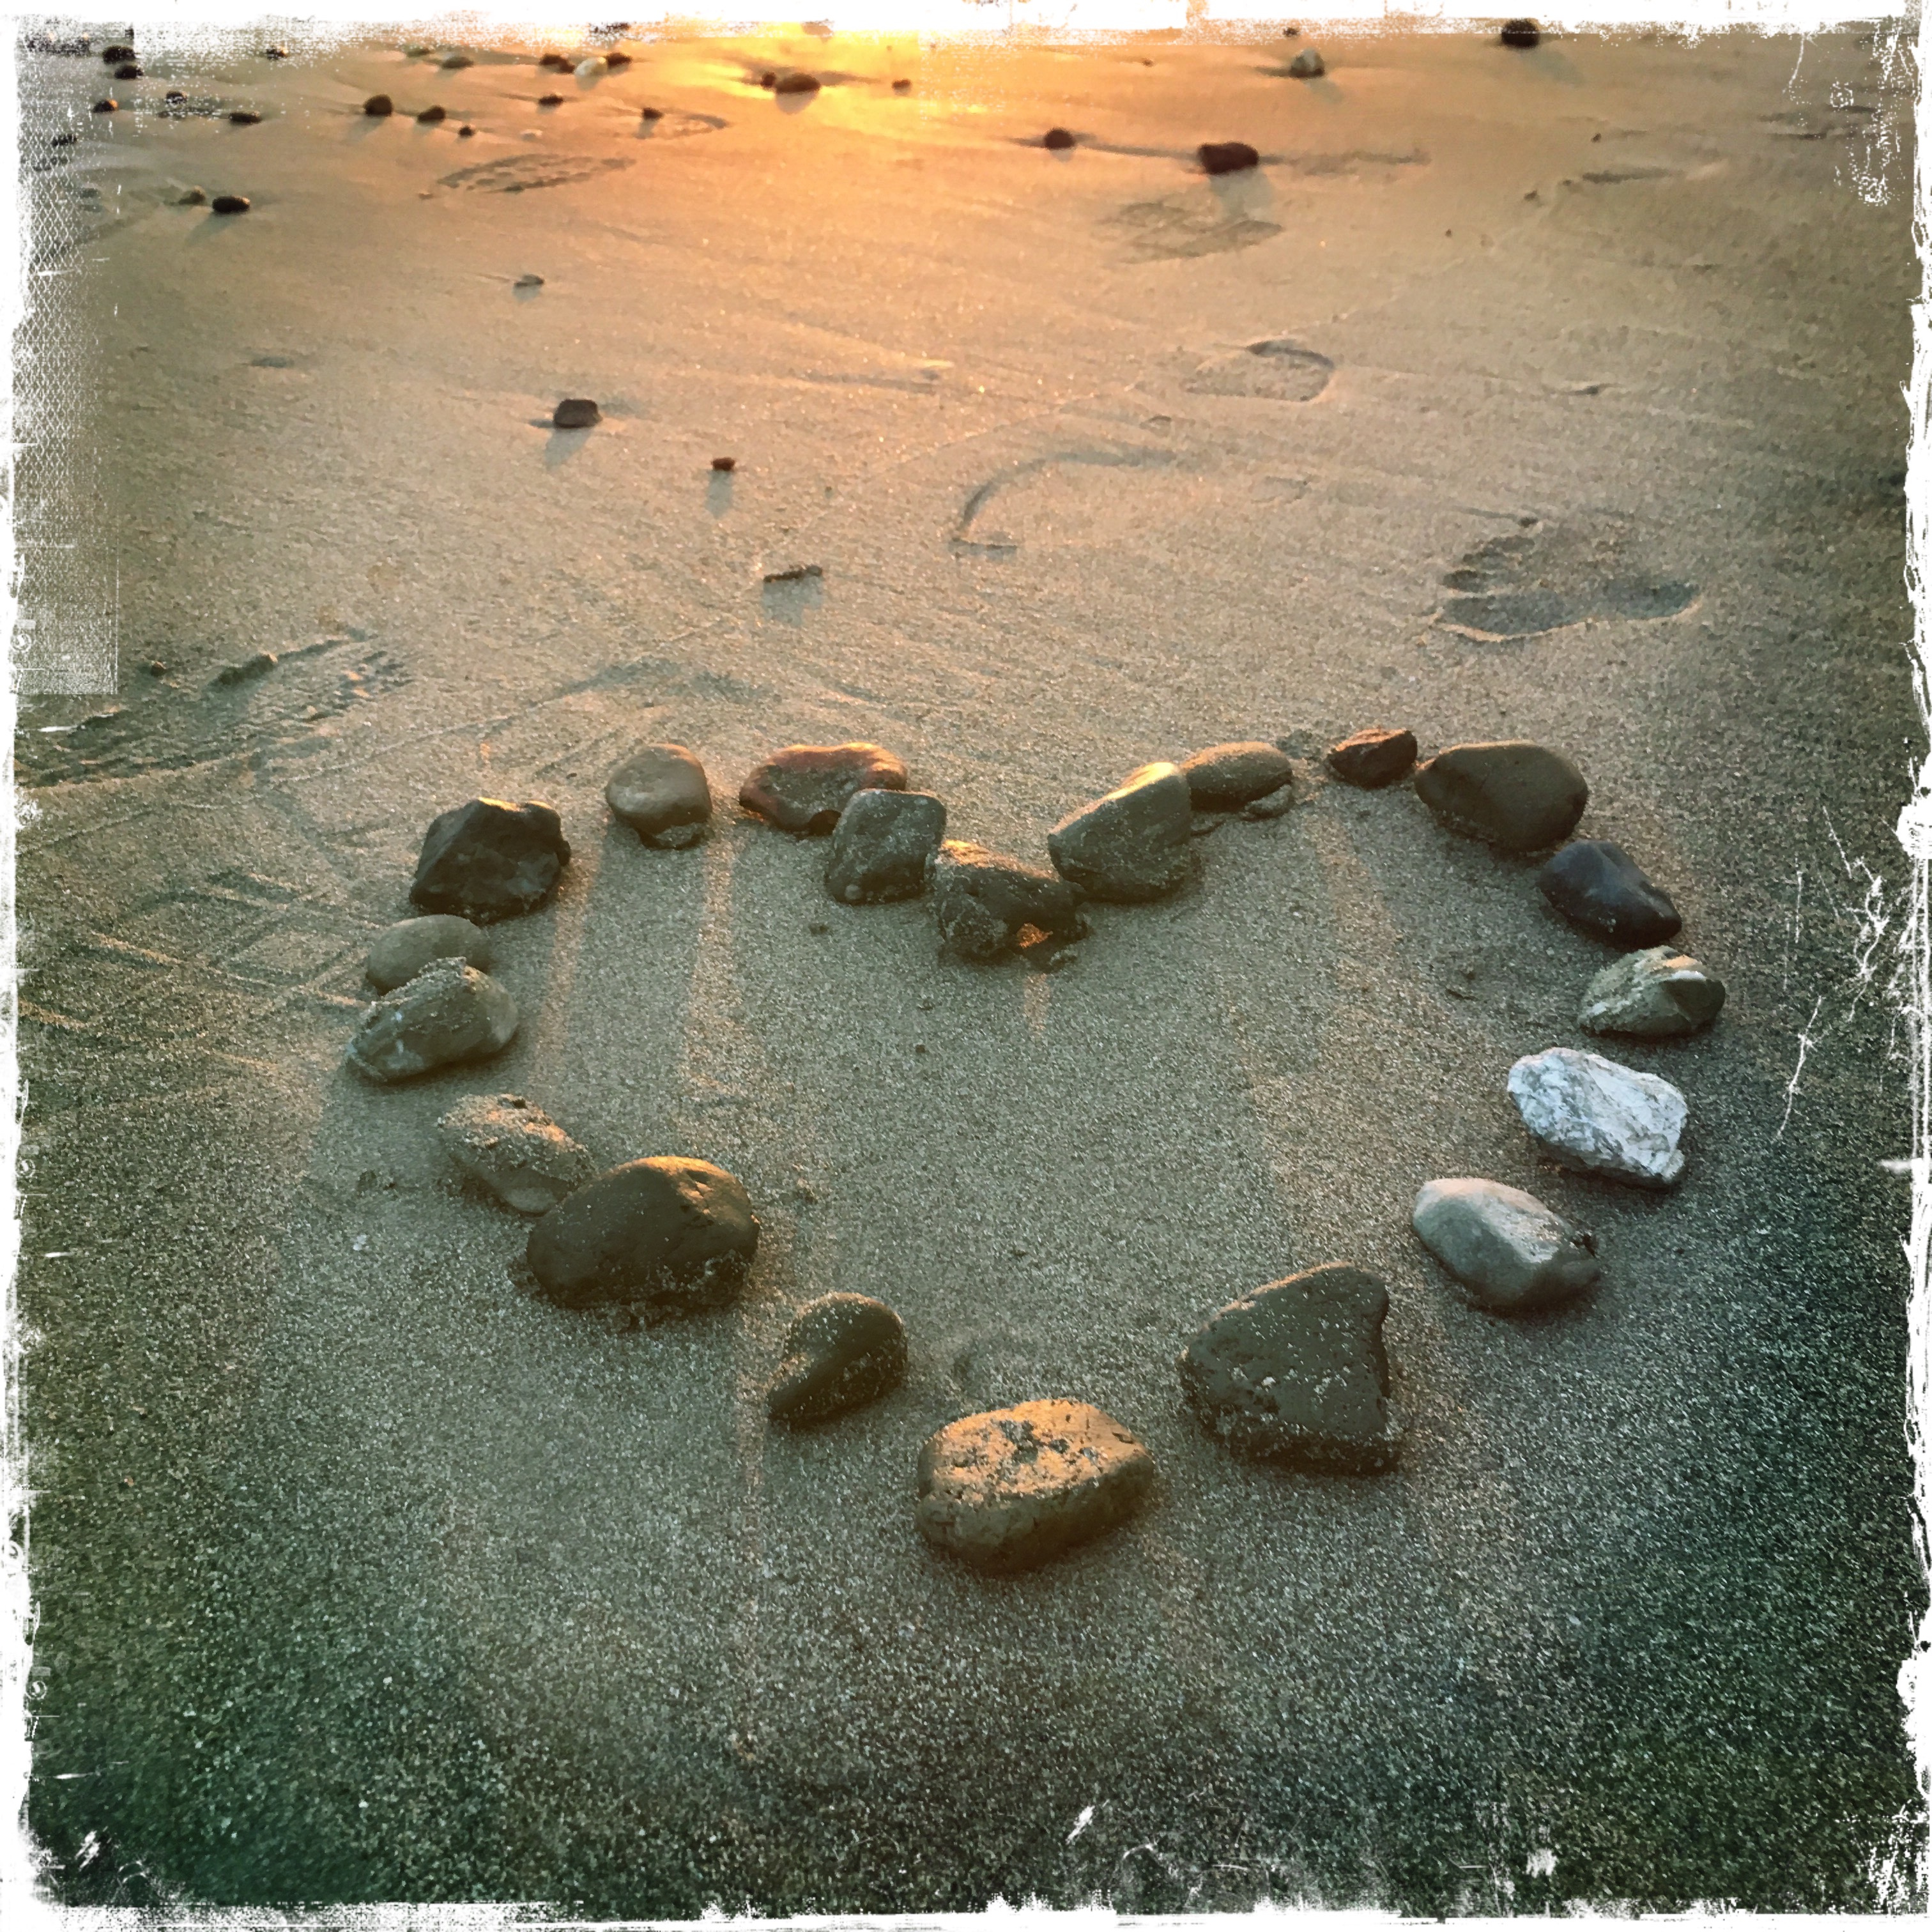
797 83
128 71
549 100
106 106
576 412
431 115
1056 138
379 104
244 117
653 113
726 464
463 132
804 787
1372 758
230 204
901 87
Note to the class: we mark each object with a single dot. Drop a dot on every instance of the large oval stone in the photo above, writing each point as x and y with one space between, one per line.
448 1014
661 792
1132 844
1521 797
1010 1488
842 1351
1511 1252
489 859
665 1233
1596 885
1297 1372
1224 777
804 787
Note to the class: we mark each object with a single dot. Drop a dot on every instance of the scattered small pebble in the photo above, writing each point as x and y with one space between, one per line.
590 69
724 465
1228 157
1224 777
901 87
1008 1490
431 115
106 106
63 140
174 94
230 204
661 791
797 83
414 51
549 100
1373 758
244 117
194 198
1057 138
112 56
1297 1372
1511 1252
157 668
651 113
1513 794
985 902
666 1234
452 63
275 53
615 62
516 1150
840 1352
1598 1116
1596 885
768 80
1521 34
576 412
1655 994
400 952
1307 65
529 281
883 846
379 103
127 70
555 63
488 860
797 574
449 1013
466 132
804 787
1132 844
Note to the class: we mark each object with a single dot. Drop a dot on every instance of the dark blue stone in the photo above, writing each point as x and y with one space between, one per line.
1596 885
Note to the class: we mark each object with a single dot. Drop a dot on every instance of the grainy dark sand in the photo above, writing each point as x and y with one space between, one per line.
362 1575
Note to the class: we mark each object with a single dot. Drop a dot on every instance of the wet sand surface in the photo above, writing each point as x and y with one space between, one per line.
364 1574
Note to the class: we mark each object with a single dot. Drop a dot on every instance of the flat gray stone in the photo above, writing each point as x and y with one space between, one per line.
661 792
1599 1116
842 1351
1520 797
515 1149
448 1014
1010 1488
401 951
664 1234
883 846
1659 993
984 902
1510 1252
1131 845
1297 1372
1224 777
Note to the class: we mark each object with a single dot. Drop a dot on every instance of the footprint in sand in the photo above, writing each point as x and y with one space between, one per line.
1178 230
1276 369
1093 496
1546 576
514 174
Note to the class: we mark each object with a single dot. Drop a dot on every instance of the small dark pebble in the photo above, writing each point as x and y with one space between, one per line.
901 87
1228 157
555 63
230 204
797 574
768 80
106 106
157 667
431 115
274 53
1056 137
64 140
724 465
175 93
576 412
379 103
549 100
1372 758
1521 34
127 70
112 56
653 113
244 117
455 63
615 60
797 83
529 281
463 132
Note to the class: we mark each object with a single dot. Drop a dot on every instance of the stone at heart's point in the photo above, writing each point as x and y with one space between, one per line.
804 787
1008 1490
489 859
1297 1372
663 1234
1600 1117
984 900
1513 794
1510 1252
882 845
1132 844
661 792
